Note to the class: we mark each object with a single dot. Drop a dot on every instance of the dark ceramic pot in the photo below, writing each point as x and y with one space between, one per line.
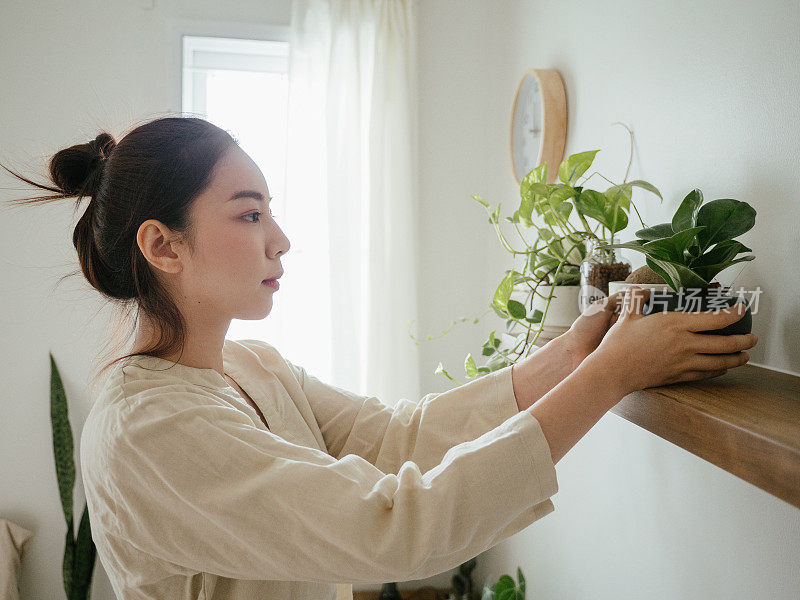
708 299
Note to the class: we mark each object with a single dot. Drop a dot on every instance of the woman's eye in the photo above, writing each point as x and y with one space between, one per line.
253 214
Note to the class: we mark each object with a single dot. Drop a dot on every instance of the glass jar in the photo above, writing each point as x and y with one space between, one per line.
598 268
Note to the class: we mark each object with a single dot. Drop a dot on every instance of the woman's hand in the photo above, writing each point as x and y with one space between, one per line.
591 326
662 348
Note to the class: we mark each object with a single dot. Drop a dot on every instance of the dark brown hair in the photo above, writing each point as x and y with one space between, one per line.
155 171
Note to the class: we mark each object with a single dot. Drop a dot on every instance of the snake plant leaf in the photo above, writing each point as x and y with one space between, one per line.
575 166
85 554
62 441
656 232
708 272
686 215
68 562
725 219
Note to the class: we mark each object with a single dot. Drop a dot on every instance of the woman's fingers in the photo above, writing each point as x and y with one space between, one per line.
715 362
722 344
633 302
711 319
698 375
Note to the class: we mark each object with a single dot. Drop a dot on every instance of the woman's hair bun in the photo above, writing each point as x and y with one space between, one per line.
77 170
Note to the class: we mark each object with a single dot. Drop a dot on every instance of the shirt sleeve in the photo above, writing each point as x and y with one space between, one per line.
417 431
196 484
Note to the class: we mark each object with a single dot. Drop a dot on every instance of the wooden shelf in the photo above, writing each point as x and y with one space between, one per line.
746 422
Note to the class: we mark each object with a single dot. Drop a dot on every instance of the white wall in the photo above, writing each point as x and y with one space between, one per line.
710 90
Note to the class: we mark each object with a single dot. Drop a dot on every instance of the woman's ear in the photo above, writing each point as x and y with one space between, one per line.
156 240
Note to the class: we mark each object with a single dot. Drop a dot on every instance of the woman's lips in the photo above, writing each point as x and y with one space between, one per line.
273 283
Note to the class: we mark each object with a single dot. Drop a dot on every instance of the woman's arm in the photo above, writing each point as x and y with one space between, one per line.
637 352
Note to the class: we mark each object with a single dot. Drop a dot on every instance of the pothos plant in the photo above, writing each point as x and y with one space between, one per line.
564 216
697 244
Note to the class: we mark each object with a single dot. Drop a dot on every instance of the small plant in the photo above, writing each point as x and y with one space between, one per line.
79 552
698 243
505 588
554 257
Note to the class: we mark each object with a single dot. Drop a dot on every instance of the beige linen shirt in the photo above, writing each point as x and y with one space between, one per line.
190 496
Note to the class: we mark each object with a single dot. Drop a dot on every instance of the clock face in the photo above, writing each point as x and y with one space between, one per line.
527 127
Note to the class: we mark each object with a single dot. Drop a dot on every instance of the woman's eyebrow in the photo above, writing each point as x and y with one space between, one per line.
249 194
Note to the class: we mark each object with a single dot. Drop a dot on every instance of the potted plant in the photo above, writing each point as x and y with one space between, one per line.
505 588
541 300
79 550
689 251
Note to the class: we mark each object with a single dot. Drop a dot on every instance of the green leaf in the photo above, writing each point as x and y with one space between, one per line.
563 210
503 293
521 580
536 316
68 562
495 216
469 367
653 265
708 272
721 253
621 195
563 193
545 234
686 215
725 219
594 204
681 275
646 186
656 232
598 206
673 247
85 554
481 200
535 175
62 441
504 584
516 309
575 166
525 211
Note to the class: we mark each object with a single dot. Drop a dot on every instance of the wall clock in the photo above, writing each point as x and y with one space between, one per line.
539 123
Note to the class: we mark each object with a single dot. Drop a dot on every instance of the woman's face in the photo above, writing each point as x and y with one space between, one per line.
236 245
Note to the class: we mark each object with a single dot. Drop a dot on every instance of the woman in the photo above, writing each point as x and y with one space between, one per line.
219 469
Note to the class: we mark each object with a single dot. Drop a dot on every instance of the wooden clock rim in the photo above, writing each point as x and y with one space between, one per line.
554 138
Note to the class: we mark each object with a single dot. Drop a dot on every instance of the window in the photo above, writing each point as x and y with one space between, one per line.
242 86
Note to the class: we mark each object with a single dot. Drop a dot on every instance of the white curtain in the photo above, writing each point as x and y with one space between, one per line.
351 192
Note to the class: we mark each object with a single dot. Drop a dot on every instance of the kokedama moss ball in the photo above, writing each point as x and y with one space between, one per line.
644 275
